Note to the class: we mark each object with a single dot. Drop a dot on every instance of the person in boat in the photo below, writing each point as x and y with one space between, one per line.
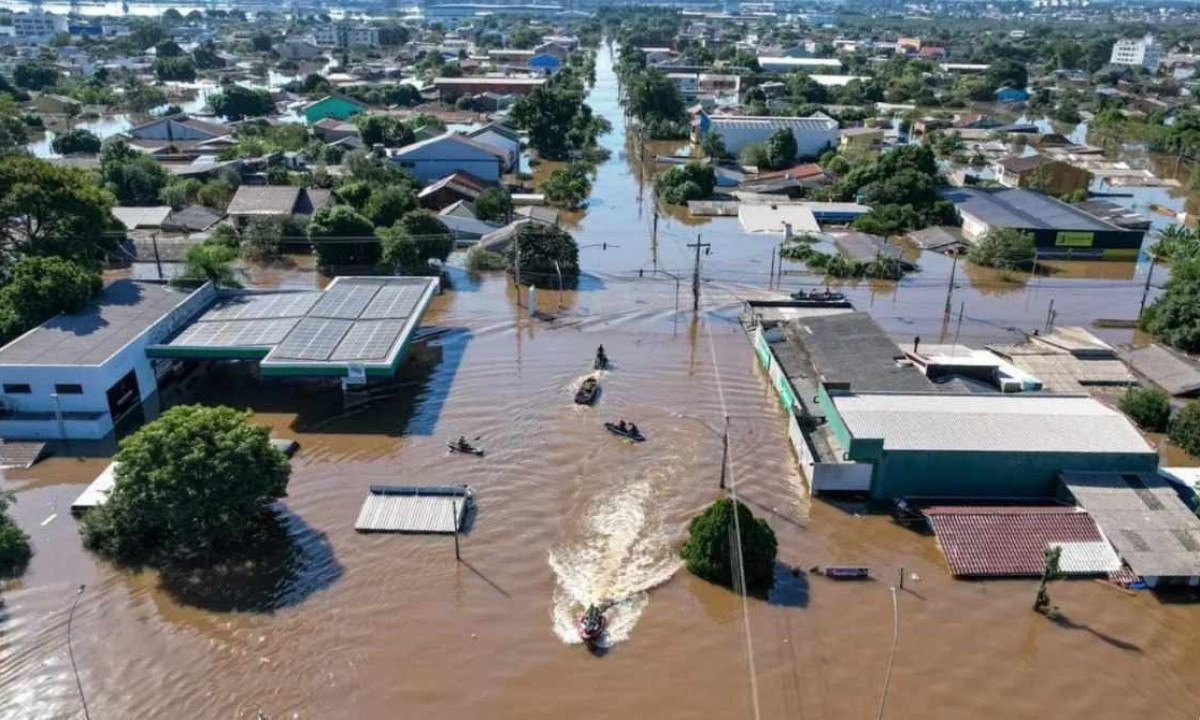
633 431
621 425
601 358
462 443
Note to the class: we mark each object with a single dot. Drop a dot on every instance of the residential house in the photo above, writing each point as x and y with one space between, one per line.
551 48
180 134
545 64
687 83
331 130
658 55
450 152
451 89
297 50
908 46
1011 95
503 137
863 138
338 107
1039 172
814 135
280 202
455 187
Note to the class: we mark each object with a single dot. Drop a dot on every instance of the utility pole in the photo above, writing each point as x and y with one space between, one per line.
157 260
654 232
1146 289
950 287
696 271
517 265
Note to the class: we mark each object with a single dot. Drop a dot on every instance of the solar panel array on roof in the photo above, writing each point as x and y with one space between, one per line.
392 301
237 333
368 340
312 339
345 300
249 307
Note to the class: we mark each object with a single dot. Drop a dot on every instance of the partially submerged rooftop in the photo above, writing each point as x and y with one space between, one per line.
1177 375
355 322
123 311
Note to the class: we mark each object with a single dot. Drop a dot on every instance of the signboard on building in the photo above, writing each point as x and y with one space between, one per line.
1067 238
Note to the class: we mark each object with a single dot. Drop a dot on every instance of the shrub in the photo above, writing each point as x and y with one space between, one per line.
481 260
14 543
1185 428
708 552
1150 408
678 185
1005 249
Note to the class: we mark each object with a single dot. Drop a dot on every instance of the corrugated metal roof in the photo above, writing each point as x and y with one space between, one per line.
990 423
1174 374
1024 209
721 123
431 509
1010 541
1141 514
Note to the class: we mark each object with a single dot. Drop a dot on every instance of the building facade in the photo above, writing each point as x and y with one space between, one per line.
344 35
38 24
1141 52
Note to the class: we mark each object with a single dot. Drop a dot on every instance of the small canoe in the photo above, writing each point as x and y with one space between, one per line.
616 430
846 572
586 394
455 448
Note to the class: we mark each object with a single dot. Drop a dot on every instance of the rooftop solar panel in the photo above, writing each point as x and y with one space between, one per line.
368 340
393 301
249 307
345 300
312 339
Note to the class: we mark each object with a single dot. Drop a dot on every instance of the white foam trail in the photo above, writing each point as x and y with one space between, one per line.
622 553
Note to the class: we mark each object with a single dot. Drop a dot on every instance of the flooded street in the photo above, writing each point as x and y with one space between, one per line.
349 625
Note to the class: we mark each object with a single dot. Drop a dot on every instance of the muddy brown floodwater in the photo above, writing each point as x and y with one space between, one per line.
349 625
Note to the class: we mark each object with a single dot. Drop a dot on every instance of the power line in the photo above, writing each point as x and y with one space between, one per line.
71 652
887 675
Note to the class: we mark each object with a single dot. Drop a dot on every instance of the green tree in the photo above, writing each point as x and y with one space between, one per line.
168 49
383 130
341 236
49 210
653 98
494 205
541 246
568 186
709 553
261 41
237 102
1174 317
713 145
1150 408
261 239
75 141
410 244
209 262
1184 429
781 149
1005 249
524 37
205 57
190 486
133 177
34 76
681 183
1052 557
1175 241
15 552
39 288
215 194
180 68
386 205
1005 72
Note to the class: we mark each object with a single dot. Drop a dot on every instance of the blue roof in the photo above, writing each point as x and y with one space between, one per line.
544 60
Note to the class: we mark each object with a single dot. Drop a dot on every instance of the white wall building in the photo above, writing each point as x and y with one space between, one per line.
1142 52
343 35
73 376
38 24
814 135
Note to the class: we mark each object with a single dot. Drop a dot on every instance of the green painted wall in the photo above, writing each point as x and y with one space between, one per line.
832 418
995 474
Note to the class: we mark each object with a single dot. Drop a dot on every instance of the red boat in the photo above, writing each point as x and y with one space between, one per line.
591 624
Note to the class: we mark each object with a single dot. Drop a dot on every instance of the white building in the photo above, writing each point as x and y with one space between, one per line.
73 376
1142 52
814 135
38 24
343 35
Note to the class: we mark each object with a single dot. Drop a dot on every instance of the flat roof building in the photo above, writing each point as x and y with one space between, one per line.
979 445
1058 229
75 376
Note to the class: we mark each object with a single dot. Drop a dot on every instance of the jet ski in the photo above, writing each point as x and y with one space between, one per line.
591 624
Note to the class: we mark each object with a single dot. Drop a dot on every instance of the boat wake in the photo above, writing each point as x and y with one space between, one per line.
622 553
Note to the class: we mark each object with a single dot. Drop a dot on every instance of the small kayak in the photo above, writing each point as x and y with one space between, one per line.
586 394
456 448
845 572
616 430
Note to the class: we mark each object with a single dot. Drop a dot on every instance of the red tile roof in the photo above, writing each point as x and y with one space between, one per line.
982 541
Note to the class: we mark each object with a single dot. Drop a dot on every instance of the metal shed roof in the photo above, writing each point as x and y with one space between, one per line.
989 423
1024 209
1142 516
430 509
1176 375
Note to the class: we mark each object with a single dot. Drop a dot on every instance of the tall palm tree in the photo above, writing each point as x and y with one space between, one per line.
1175 241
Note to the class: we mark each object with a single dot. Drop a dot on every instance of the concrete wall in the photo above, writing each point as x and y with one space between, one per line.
809 143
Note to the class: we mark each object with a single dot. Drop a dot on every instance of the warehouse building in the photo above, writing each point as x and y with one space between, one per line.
75 377
969 445
814 135
1059 230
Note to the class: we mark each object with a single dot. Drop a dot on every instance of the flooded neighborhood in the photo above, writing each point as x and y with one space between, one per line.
522 393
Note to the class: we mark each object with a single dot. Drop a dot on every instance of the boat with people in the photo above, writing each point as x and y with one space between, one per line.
844 572
586 394
626 430
591 624
824 295
462 446
601 362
